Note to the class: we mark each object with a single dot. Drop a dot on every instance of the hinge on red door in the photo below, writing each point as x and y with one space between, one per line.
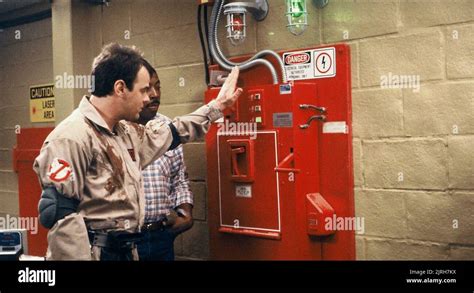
317 211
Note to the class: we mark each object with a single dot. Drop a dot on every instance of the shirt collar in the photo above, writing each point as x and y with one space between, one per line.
162 118
91 113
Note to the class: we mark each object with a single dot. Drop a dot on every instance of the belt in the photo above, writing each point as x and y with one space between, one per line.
98 238
116 240
153 226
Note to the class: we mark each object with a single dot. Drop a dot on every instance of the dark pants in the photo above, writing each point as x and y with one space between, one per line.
106 254
157 245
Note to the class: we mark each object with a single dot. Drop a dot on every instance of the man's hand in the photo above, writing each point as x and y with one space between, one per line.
228 93
181 224
178 222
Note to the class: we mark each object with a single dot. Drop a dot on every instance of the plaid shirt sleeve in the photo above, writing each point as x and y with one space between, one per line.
180 190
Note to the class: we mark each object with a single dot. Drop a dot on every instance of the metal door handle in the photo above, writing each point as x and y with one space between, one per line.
321 110
235 152
311 119
286 161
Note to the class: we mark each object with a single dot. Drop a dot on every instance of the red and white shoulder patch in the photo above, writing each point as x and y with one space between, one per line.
59 170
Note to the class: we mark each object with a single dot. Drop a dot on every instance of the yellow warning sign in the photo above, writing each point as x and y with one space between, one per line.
42 103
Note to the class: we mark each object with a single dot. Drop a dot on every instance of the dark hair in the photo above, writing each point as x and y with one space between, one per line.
115 62
150 68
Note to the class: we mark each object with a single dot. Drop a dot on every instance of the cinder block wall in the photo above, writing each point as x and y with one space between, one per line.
25 60
413 162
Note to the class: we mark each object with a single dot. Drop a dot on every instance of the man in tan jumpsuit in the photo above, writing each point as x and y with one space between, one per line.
90 165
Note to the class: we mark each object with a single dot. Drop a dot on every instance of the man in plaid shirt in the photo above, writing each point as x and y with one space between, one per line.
168 198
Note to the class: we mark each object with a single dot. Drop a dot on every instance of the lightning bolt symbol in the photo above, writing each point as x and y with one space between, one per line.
324 62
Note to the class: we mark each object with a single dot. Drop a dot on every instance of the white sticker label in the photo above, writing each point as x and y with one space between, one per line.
335 127
243 191
309 64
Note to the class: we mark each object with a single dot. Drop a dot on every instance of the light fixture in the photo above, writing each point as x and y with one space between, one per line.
297 14
236 18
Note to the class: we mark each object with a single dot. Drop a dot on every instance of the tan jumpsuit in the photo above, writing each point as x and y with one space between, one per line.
100 167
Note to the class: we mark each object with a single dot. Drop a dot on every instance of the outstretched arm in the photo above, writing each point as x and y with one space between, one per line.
160 137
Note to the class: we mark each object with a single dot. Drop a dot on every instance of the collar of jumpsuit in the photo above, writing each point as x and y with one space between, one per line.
91 113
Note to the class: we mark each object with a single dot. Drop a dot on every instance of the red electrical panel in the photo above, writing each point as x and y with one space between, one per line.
280 162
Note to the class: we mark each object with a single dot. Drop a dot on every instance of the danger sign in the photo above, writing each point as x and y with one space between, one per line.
309 64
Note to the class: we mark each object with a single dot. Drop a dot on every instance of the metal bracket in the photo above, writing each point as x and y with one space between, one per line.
259 9
217 77
320 3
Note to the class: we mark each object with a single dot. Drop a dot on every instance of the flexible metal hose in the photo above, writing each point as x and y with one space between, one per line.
227 64
256 56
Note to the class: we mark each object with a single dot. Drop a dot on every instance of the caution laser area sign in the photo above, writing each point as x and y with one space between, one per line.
309 64
42 103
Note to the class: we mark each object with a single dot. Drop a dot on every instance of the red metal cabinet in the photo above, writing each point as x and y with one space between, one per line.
272 181
29 142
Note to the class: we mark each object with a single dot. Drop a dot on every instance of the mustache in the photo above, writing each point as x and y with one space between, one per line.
153 103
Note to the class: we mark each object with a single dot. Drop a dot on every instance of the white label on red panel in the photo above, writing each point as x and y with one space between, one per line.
309 64
335 127
243 190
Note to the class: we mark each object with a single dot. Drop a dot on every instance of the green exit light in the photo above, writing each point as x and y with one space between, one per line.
297 16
